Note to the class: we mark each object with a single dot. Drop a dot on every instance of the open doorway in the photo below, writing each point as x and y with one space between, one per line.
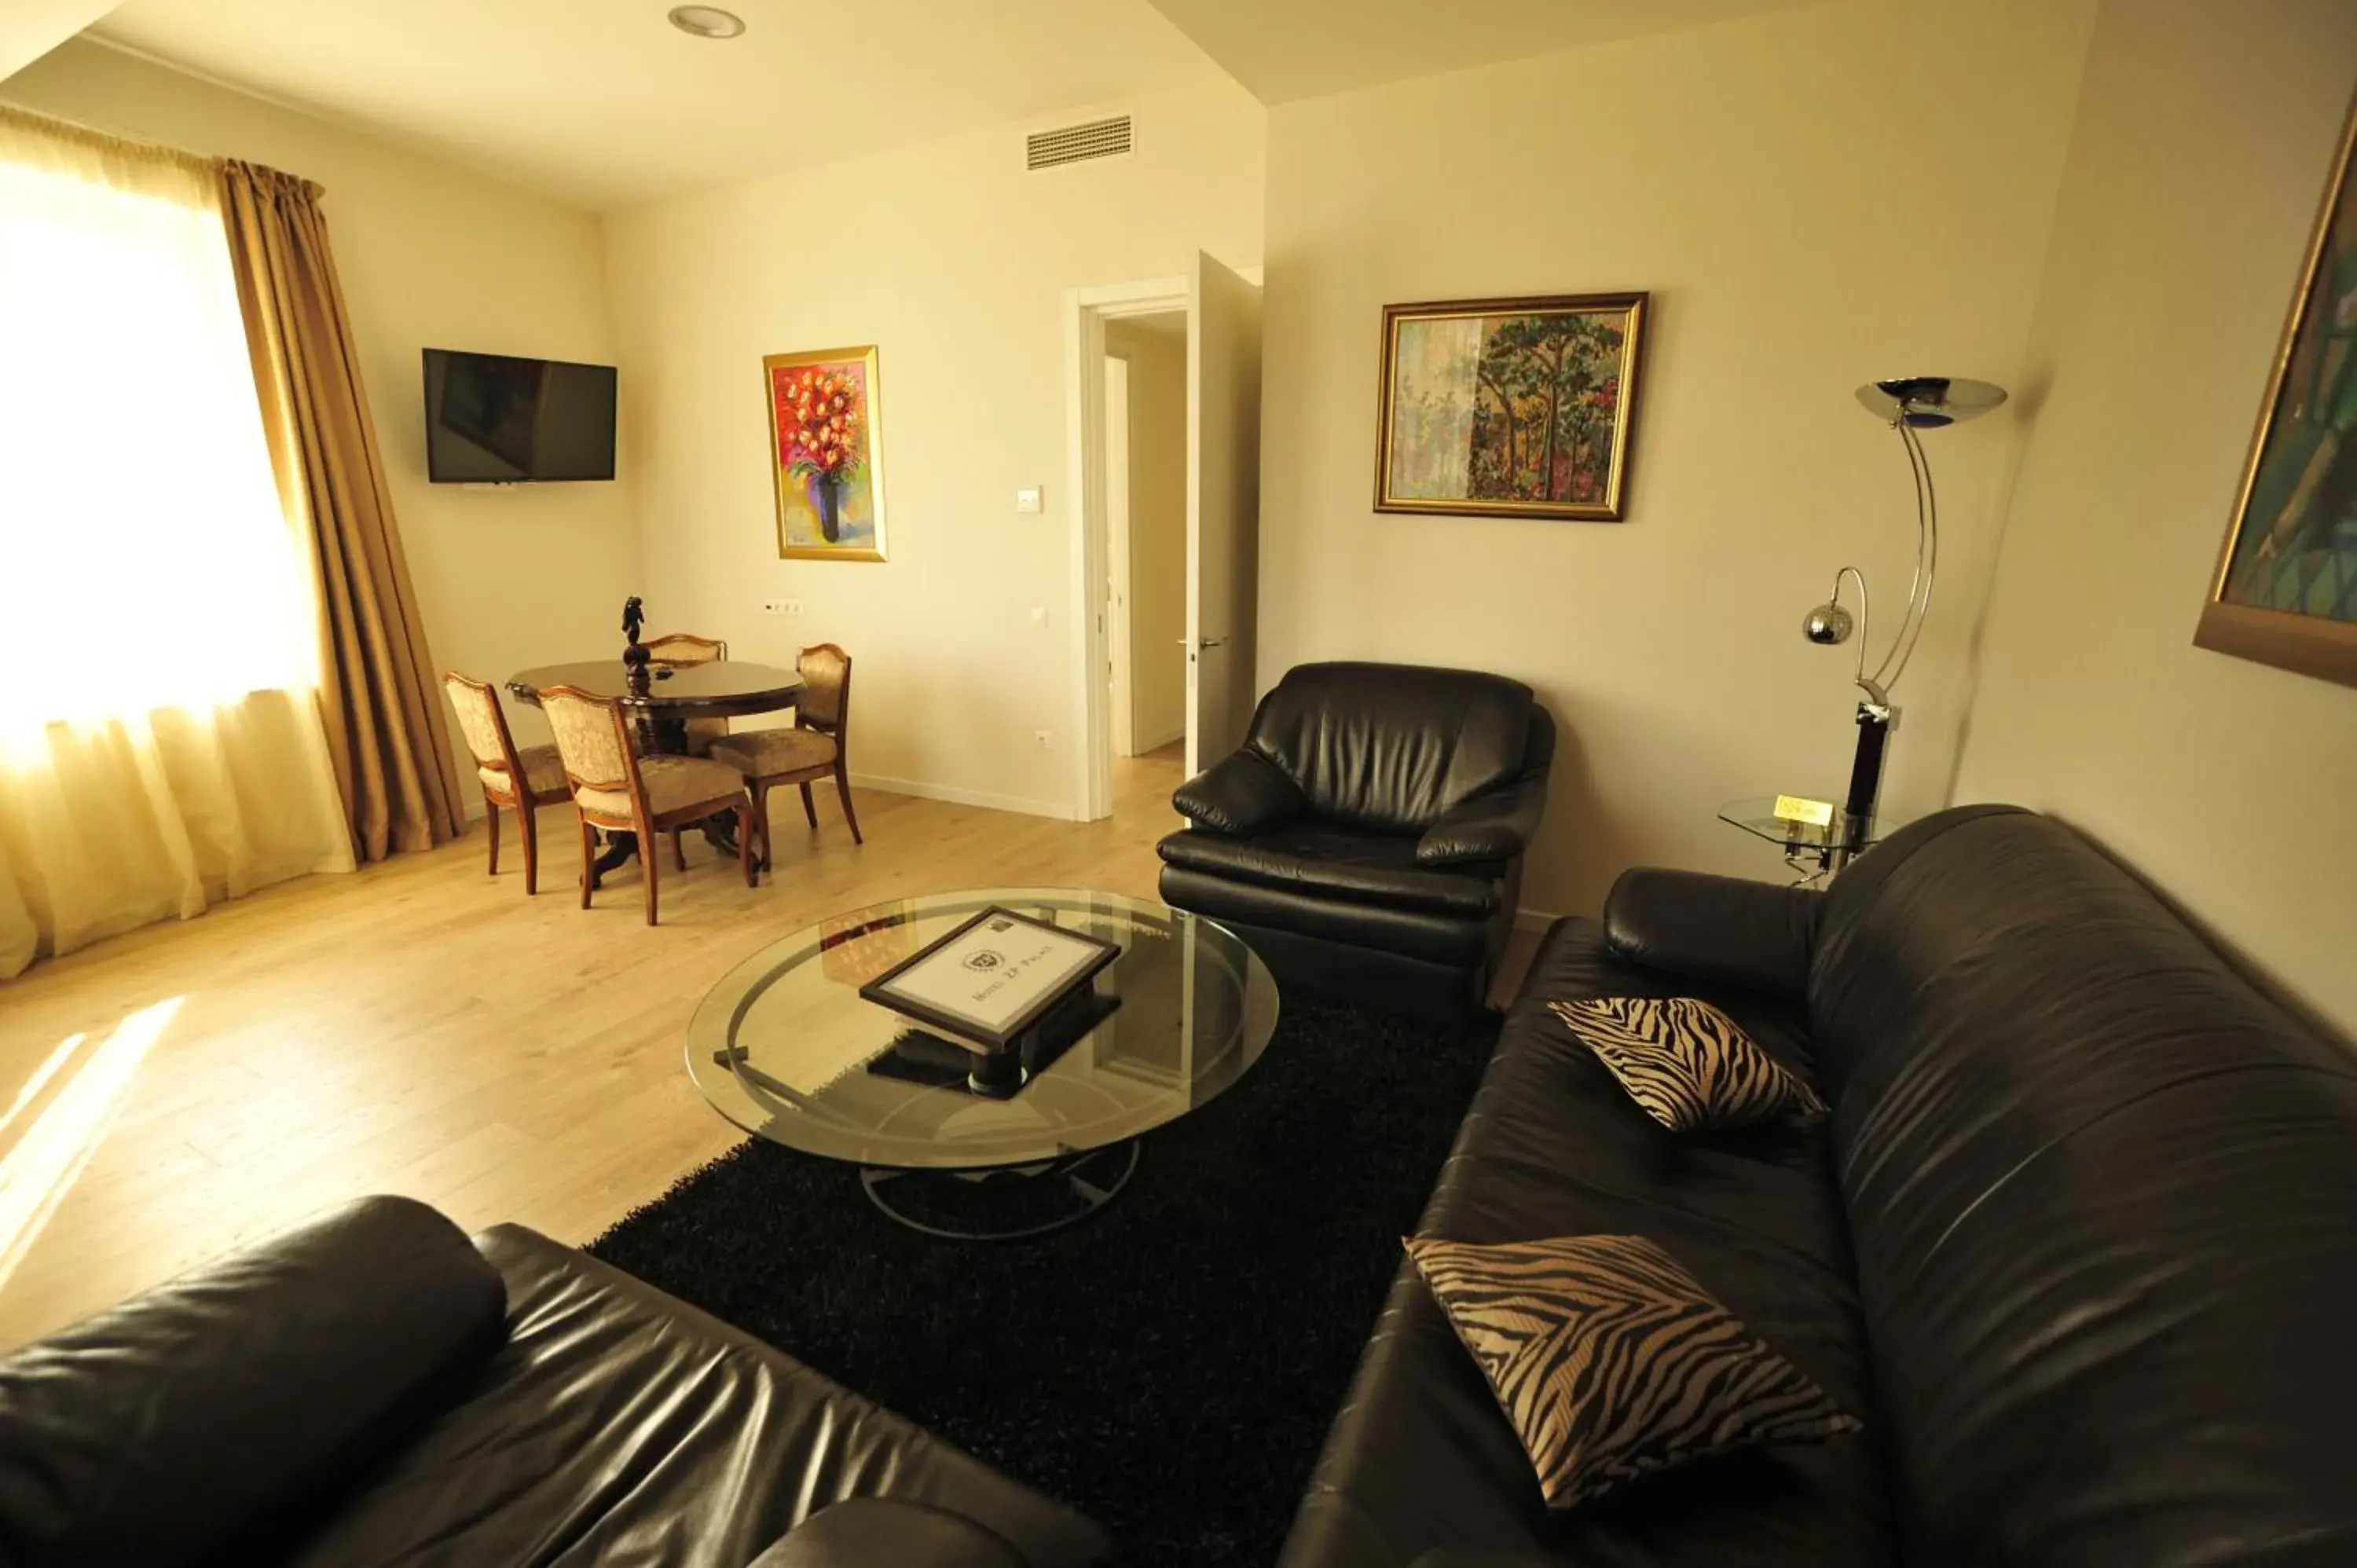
1217 310
1145 532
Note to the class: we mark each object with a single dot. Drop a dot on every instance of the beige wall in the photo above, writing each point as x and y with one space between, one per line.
2204 139
428 256
1158 527
954 262
1815 199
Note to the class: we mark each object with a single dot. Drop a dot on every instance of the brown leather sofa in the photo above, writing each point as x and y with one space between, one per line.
373 1388
2078 1242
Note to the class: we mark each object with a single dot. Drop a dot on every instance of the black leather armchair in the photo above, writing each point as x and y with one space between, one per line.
1368 840
373 1388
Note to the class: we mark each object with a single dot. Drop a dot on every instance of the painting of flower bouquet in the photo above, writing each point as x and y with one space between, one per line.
826 448
1509 407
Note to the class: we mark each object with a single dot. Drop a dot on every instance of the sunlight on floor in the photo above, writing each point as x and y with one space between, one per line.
40 1166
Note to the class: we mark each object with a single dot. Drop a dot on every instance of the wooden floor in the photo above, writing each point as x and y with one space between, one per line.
420 1028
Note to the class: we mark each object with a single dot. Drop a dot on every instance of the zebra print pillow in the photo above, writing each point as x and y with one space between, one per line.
1612 1361
1688 1064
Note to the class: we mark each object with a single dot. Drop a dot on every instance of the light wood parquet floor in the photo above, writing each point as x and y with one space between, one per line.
421 1028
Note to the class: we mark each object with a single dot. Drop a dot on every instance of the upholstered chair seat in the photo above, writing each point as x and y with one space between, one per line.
544 772
672 784
618 791
766 751
499 762
817 747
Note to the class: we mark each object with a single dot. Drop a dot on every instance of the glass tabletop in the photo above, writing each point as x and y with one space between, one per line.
1758 817
785 1046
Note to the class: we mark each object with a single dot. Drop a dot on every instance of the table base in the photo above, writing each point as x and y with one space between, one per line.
1005 1203
719 832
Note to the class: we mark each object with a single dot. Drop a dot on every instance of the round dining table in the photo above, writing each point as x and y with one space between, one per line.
662 700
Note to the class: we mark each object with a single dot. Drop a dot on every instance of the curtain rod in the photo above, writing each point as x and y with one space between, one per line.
37 122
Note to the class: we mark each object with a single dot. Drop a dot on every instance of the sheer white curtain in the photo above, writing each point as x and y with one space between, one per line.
161 742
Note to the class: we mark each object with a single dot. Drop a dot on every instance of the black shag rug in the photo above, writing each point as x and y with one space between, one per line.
1168 1366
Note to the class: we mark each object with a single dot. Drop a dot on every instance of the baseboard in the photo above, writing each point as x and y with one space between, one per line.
1535 921
1158 742
957 796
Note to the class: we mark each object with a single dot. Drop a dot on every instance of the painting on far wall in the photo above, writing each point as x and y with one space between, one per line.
2286 588
1509 407
826 454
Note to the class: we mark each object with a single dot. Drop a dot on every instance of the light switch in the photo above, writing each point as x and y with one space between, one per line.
1027 500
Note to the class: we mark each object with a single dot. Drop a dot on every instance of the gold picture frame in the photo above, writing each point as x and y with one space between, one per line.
826 453
1518 407
2285 589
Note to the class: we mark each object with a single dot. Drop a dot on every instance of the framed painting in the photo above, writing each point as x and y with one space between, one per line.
1509 407
2285 592
826 454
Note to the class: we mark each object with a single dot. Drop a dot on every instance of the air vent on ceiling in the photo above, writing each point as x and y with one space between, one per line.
1076 144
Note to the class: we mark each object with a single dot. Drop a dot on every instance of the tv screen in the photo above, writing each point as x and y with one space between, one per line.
494 419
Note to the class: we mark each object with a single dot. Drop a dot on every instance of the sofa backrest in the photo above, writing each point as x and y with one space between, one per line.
1393 745
2103 1201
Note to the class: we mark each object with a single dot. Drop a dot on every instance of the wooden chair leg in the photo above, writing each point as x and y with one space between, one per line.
678 853
530 848
589 860
491 830
649 859
761 818
842 789
745 842
809 808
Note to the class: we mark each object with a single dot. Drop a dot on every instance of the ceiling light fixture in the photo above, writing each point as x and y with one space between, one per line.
706 21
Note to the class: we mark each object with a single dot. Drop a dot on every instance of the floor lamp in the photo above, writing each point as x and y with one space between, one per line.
1909 405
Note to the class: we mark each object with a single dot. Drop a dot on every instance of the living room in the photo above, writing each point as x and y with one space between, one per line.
234 1008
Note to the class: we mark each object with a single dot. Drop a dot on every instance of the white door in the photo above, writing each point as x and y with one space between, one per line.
1117 628
1223 508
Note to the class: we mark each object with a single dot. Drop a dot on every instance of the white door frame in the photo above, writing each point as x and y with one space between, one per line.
1086 310
1119 420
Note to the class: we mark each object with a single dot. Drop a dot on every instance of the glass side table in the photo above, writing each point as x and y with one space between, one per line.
1816 853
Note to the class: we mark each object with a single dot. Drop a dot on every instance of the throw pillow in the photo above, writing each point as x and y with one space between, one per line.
1688 1064
1611 1361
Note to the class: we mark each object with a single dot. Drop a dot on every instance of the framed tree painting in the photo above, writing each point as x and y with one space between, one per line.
1509 407
2285 592
826 453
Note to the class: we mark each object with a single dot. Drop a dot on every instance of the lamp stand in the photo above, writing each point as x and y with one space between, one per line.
1874 726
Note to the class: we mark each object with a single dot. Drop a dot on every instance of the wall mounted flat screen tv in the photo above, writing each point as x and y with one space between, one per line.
493 419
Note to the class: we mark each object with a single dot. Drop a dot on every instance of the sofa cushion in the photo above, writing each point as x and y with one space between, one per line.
2100 1191
197 1421
1612 1361
621 1427
1421 1459
1690 1066
1327 860
1393 745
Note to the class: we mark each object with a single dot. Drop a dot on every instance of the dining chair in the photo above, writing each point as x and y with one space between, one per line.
815 747
686 648
522 779
618 790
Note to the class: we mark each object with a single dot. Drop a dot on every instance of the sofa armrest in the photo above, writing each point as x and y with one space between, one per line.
1723 929
870 1532
1497 825
1240 793
201 1418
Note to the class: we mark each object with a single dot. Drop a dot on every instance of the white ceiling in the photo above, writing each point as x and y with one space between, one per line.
1283 50
602 102
31 28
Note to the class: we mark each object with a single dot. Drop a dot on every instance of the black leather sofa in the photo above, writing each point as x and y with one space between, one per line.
376 1388
1368 840
2078 1242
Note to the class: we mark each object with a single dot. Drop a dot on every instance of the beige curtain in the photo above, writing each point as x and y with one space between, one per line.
160 740
378 689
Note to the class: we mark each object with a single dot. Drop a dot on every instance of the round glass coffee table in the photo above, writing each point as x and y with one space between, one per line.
786 1048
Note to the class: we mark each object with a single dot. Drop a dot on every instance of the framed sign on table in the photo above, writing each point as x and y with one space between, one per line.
992 979
2285 591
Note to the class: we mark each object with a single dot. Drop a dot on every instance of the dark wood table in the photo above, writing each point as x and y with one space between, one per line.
670 697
